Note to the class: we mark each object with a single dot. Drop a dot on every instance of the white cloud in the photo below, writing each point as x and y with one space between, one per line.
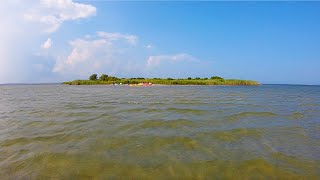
103 52
180 65
117 54
132 39
154 61
52 13
149 46
22 25
47 44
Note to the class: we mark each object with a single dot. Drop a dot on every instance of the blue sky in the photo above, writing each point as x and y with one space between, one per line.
271 42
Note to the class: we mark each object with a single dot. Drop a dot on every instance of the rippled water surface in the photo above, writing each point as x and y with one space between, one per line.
201 132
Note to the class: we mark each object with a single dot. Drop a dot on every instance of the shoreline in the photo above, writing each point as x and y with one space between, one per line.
213 81
154 85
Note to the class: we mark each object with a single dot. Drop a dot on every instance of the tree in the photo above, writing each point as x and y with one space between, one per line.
216 77
189 78
103 77
93 77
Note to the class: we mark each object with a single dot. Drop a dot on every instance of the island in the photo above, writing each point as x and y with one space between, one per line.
111 80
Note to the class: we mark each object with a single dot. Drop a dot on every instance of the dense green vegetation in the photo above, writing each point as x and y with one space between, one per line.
216 77
93 77
215 80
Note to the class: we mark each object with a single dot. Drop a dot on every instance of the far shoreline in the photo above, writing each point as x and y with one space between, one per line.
140 81
157 85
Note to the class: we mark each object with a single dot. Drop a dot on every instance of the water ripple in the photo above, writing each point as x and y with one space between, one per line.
161 132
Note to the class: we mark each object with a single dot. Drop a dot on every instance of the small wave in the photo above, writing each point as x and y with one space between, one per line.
154 110
45 139
250 114
158 103
310 105
80 106
111 143
34 123
305 166
125 127
167 124
84 120
78 121
134 110
139 110
190 102
232 135
296 116
187 111
155 143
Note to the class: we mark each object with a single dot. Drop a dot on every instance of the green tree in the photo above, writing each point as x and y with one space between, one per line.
103 77
189 78
216 77
93 77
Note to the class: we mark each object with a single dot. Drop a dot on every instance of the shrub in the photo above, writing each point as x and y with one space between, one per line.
216 77
111 78
103 77
93 77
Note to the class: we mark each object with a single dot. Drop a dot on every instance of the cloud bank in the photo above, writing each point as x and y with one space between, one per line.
101 52
52 13
122 55
26 57
24 25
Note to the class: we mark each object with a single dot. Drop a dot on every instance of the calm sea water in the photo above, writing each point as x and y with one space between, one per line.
201 132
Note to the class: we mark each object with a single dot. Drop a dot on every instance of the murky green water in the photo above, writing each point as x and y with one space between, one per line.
63 132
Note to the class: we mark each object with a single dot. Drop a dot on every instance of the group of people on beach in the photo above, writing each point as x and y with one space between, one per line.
140 84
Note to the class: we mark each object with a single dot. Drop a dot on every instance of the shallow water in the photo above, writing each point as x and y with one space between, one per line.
159 132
